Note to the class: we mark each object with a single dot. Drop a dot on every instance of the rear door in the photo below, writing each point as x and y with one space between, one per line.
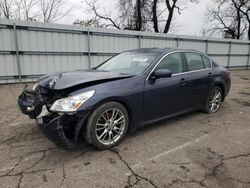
199 75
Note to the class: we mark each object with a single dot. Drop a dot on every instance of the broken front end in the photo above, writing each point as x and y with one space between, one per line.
56 113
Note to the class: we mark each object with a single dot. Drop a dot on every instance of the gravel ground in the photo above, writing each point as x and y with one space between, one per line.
193 150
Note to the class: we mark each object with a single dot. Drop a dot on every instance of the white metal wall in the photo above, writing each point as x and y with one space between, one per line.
31 49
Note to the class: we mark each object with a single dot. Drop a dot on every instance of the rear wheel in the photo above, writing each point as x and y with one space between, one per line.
107 125
214 100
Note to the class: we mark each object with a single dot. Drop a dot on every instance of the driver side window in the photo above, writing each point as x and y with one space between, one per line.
173 62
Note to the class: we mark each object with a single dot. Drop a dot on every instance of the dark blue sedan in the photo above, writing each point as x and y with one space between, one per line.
128 91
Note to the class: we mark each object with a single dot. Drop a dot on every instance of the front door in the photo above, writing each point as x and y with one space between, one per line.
166 96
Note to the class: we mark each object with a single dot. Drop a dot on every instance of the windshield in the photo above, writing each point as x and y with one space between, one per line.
128 63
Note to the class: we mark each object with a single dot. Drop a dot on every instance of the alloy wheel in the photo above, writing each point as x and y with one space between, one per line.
215 100
110 126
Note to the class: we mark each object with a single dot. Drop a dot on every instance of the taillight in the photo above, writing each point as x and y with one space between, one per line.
228 73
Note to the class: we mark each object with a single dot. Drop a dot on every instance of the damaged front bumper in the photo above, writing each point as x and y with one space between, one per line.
30 103
63 129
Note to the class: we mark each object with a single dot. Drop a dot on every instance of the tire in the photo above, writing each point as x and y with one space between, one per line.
214 100
107 125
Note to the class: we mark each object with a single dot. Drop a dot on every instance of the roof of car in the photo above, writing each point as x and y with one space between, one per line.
151 50
161 50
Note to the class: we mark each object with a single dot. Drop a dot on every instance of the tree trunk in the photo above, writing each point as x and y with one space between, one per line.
155 19
6 9
139 18
170 15
248 20
248 32
239 23
169 20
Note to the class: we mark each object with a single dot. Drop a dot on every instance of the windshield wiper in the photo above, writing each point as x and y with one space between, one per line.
127 74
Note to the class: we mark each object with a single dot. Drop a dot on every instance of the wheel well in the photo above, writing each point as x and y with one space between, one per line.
80 136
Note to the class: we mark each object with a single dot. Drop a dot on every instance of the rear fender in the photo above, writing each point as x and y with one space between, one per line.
221 83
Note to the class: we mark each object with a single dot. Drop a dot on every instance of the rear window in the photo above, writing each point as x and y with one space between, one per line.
194 61
215 64
206 62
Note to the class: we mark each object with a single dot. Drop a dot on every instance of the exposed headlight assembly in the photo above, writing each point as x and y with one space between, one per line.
72 103
35 86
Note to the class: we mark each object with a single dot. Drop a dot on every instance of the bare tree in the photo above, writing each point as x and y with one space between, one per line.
99 19
126 15
172 6
34 10
27 9
89 23
229 18
243 7
6 7
140 15
52 10
133 15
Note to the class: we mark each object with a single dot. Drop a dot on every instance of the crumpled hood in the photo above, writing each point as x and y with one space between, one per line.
65 80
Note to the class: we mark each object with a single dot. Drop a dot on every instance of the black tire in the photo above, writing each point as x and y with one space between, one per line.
208 106
91 132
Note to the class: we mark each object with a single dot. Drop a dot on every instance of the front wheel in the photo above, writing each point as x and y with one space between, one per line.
107 125
214 100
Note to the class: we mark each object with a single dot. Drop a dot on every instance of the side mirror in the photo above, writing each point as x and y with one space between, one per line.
162 73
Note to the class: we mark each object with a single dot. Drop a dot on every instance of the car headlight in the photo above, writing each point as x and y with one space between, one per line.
72 103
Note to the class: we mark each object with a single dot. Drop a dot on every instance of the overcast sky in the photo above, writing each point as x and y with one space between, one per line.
191 19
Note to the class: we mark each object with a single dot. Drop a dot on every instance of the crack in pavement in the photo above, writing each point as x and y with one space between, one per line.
212 171
185 181
64 175
13 168
20 181
63 167
21 174
238 181
25 171
221 163
175 163
137 176
222 159
38 161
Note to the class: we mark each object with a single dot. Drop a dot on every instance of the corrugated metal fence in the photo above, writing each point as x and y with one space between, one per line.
30 49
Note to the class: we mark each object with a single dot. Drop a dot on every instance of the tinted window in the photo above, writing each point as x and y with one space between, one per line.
206 62
194 61
173 62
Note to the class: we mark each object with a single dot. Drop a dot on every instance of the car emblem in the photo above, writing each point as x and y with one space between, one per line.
52 82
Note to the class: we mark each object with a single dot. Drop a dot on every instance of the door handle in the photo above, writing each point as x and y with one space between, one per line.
183 81
210 75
